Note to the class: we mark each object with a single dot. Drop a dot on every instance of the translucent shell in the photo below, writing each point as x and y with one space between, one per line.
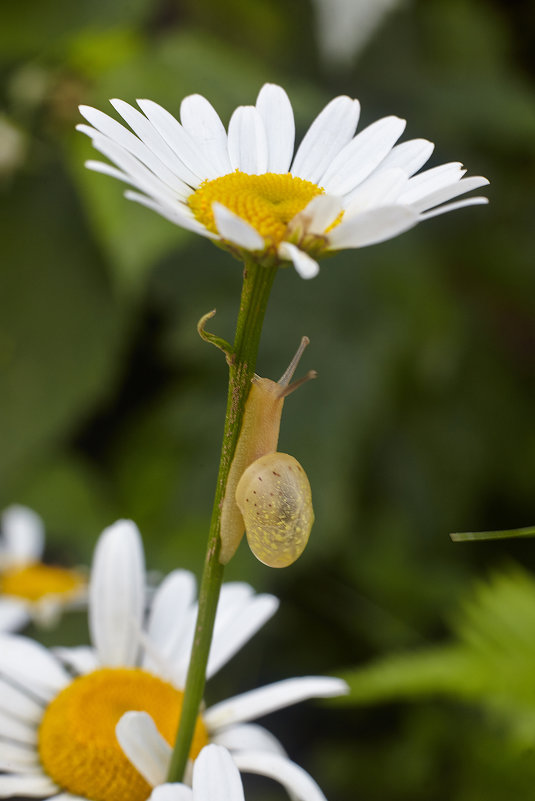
275 501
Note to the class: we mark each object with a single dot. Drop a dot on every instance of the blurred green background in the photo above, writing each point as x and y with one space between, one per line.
421 422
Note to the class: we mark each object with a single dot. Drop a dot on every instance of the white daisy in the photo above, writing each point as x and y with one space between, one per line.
59 710
30 589
216 778
244 190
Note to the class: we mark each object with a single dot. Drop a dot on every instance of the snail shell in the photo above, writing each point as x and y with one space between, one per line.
275 500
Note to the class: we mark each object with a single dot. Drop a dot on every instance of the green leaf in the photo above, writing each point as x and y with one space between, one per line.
60 328
491 662
33 27
435 671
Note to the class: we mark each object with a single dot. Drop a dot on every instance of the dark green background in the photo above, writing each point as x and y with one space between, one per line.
421 422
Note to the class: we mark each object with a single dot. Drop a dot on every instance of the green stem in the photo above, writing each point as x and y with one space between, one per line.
257 282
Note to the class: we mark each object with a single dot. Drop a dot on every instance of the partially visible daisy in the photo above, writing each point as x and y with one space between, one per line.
216 778
59 710
344 27
30 589
246 191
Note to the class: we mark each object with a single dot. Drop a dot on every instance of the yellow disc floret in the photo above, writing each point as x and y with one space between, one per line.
35 581
267 202
77 742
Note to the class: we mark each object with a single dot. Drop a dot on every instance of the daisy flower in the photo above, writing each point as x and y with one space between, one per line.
29 589
216 778
246 190
59 709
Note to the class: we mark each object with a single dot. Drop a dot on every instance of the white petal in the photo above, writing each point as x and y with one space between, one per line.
46 612
18 758
248 737
117 594
247 142
233 229
170 614
15 729
32 786
67 797
124 138
267 699
175 213
215 776
293 778
24 754
23 534
20 704
409 156
27 663
234 596
449 192
107 169
134 169
171 792
431 180
154 141
471 201
82 659
332 129
202 121
382 188
177 209
319 214
12 766
139 175
362 155
305 265
179 661
14 614
372 227
178 139
144 746
228 641
274 107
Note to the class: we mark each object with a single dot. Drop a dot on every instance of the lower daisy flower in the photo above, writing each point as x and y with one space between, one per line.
245 190
29 588
216 778
60 710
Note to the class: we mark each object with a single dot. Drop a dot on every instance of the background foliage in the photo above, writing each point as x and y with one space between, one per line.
421 422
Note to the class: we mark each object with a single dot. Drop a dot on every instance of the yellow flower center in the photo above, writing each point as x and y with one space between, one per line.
77 742
35 581
267 202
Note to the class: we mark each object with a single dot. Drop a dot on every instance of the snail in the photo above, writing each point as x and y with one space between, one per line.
267 494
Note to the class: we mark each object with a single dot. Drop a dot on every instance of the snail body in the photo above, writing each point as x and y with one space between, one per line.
258 438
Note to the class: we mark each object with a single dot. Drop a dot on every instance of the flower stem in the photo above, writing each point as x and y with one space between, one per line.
257 283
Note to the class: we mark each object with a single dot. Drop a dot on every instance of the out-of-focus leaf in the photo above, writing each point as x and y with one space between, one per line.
32 27
93 53
443 670
491 663
74 503
59 325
